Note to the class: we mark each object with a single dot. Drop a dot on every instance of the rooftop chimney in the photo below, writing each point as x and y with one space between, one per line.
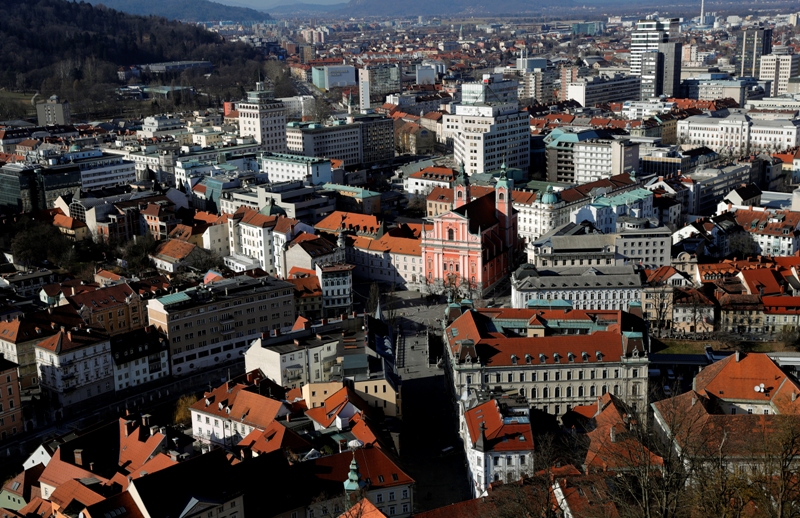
612 434
78 457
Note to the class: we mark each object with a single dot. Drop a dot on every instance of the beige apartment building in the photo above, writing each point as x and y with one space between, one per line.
213 323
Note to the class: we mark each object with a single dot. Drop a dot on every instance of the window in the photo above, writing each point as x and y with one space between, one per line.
379 498
391 496
450 234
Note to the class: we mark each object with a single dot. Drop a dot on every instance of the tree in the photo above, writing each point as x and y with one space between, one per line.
10 109
321 110
660 295
37 242
183 414
774 478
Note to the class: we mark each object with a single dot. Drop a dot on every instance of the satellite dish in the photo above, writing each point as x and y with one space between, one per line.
355 444
762 387
757 388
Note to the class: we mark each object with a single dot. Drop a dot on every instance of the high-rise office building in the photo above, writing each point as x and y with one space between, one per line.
652 74
263 118
648 35
778 69
672 67
756 42
488 128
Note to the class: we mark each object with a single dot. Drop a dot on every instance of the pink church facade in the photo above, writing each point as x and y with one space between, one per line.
474 246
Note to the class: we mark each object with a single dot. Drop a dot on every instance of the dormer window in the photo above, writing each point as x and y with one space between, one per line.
571 357
599 356
541 357
556 357
528 359
513 359
585 356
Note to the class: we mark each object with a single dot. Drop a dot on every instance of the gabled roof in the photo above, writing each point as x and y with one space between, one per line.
339 220
481 213
696 419
72 493
501 432
363 509
66 222
175 249
612 445
59 471
275 437
326 414
64 341
240 403
102 299
375 466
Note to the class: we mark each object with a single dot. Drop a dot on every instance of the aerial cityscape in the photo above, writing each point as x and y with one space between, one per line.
373 259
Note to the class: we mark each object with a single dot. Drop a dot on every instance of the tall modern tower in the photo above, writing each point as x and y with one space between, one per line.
756 42
672 52
648 35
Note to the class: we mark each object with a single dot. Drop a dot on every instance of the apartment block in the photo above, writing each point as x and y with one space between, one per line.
212 323
590 91
778 68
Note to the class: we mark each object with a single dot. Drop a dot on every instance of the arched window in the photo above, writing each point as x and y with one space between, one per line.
450 234
502 196
580 391
605 389
569 391
592 391
545 392
522 392
460 195
534 394
616 390
558 391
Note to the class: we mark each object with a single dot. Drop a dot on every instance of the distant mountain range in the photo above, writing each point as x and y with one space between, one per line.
307 8
186 10
359 8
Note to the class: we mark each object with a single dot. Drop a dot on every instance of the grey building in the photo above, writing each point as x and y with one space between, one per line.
756 42
53 111
672 68
652 74
586 287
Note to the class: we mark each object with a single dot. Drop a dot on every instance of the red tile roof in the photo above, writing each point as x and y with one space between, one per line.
612 446
374 465
512 433
275 437
306 287
66 222
72 491
777 223
337 402
238 403
64 341
349 221
175 249
58 472
363 509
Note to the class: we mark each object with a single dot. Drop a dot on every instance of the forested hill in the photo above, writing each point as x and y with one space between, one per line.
188 10
56 39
